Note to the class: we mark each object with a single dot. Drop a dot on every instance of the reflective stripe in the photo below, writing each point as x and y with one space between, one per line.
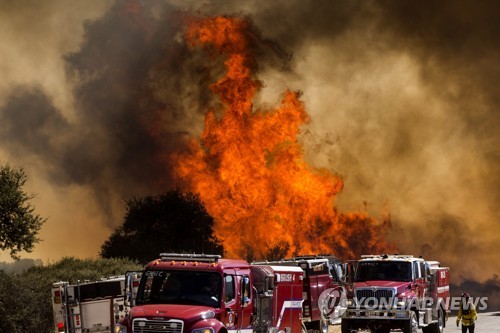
289 305
445 288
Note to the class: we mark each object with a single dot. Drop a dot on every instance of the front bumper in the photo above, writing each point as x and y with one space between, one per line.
389 314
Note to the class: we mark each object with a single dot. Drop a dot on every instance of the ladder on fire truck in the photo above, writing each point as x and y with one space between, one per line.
69 303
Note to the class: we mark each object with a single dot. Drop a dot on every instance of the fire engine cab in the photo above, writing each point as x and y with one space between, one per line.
397 292
321 272
90 306
200 293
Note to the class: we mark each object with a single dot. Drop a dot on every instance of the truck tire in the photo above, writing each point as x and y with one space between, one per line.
323 326
345 326
411 325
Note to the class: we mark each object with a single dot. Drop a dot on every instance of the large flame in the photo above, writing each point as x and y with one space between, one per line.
250 171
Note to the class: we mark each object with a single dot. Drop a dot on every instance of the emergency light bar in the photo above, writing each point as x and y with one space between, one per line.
190 257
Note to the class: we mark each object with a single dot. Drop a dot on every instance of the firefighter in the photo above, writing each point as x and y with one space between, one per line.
467 313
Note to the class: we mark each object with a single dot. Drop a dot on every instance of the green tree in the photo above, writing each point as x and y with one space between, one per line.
19 225
172 222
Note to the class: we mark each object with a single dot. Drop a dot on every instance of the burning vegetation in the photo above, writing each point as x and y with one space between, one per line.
249 167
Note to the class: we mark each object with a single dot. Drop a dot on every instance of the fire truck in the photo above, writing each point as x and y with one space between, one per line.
396 292
91 306
321 273
200 293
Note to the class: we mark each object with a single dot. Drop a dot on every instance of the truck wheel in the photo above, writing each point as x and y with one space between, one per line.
323 326
411 325
345 326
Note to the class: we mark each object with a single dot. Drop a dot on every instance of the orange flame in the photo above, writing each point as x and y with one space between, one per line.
250 172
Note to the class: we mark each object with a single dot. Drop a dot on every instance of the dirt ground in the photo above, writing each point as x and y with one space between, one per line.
334 329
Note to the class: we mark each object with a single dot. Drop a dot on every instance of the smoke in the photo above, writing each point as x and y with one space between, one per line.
136 95
402 98
489 288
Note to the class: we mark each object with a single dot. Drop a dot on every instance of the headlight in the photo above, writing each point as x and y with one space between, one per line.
349 302
120 328
208 314
203 330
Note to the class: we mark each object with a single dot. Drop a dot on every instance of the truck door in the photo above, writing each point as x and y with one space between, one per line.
319 280
349 268
96 315
229 299
419 281
244 306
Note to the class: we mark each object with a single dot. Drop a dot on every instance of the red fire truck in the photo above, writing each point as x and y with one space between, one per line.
89 306
397 292
321 272
199 293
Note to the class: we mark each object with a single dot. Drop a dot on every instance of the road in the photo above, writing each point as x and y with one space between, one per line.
486 323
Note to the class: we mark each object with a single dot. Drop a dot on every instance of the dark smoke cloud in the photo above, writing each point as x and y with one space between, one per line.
490 288
31 124
403 97
138 95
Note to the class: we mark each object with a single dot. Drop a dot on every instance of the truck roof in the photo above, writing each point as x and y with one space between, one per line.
309 259
279 269
291 262
85 282
390 257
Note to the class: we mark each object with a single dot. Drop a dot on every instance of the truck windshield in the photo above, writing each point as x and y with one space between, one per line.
180 287
383 270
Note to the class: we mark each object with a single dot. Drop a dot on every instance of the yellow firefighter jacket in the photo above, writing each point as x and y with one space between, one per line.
467 314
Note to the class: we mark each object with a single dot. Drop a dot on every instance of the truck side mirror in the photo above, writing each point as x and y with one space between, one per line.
345 275
269 284
349 271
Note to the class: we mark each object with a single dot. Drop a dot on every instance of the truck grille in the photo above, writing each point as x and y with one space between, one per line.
375 297
157 326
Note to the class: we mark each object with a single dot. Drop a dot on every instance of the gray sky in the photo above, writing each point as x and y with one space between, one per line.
403 98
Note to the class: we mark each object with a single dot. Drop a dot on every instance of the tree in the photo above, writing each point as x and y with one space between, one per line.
19 225
171 222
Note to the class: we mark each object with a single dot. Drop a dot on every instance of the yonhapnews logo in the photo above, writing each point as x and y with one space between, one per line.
332 303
